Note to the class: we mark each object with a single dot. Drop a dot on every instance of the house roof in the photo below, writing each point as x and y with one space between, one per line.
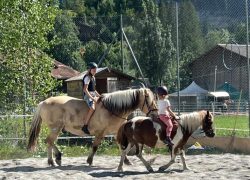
239 49
236 48
100 72
192 90
61 71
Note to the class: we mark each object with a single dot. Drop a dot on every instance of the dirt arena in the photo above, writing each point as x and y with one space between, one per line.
204 166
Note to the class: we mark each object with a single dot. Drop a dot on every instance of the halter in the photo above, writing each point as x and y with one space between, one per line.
208 131
149 107
205 130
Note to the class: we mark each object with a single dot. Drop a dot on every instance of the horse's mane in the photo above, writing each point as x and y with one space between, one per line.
192 121
120 102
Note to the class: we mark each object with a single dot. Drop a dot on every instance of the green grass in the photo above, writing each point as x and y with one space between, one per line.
10 151
239 122
18 151
107 147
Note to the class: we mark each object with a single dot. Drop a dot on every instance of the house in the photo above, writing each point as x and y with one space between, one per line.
225 63
62 72
107 80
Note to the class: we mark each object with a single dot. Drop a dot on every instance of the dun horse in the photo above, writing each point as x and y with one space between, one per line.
141 131
67 112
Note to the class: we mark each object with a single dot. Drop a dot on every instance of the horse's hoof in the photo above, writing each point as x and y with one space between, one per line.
127 162
186 169
58 162
120 169
150 170
161 169
51 162
90 161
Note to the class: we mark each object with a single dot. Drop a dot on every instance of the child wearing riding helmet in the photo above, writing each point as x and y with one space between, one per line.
90 93
165 112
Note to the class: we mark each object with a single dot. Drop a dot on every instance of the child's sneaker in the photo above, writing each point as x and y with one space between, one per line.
168 141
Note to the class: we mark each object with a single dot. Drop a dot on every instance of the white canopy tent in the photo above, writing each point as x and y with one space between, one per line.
195 97
192 97
192 90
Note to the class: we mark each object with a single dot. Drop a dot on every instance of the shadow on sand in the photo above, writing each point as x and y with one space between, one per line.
83 168
130 173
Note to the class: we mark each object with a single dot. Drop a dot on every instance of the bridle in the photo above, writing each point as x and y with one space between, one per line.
207 123
148 106
208 131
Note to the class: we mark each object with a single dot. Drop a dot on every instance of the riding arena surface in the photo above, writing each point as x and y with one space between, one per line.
203 166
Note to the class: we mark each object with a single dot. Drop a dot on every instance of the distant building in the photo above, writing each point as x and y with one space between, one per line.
63 72
107 80
229 62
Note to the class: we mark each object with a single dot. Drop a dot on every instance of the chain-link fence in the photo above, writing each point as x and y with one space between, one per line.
212 44
209 48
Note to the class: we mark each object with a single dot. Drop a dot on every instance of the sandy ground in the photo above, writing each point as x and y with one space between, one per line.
204 166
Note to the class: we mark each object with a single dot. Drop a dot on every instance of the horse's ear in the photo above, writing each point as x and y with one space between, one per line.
207 112
146 92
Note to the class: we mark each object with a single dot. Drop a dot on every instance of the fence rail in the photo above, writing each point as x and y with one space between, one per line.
26 119
217 107
66 137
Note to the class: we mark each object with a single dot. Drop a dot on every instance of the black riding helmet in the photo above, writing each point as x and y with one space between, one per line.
92 65
162 90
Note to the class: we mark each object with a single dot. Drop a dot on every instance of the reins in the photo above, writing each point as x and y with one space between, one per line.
149 109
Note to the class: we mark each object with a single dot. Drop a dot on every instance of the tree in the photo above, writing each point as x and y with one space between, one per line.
94 50
215 37
155 48
190 38
25 69
189 29
76 6
65 46
240 33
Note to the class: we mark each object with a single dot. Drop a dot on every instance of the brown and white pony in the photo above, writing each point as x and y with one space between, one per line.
141 131
67 112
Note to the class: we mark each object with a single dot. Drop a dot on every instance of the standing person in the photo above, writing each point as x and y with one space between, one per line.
165 112
90 93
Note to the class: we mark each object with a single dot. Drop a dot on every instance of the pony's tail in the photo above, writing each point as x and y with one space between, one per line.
35 129
121 137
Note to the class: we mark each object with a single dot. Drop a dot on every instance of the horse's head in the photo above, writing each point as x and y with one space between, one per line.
148 104
207 125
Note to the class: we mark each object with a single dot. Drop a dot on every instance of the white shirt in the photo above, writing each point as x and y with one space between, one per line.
162 106
86 80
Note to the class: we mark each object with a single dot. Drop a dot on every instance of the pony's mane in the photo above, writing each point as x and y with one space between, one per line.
192 121
120 102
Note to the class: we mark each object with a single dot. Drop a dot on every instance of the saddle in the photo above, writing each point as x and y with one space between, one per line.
164 126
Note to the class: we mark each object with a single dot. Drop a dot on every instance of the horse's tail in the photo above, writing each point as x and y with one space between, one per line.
35 129
121 137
